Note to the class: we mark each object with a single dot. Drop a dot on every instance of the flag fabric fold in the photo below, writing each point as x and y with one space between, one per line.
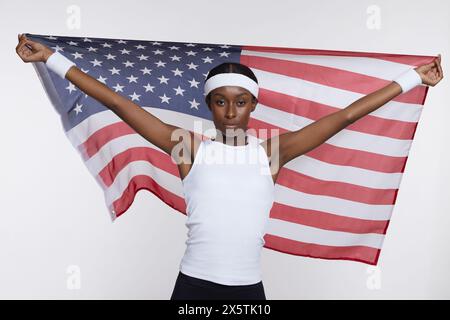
334 202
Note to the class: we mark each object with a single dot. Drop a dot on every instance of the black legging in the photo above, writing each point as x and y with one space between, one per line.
190 288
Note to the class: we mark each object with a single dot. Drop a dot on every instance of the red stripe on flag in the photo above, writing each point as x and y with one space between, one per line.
102 136
156 158
147 183
355 253
327 221
343 156
313 110
307 184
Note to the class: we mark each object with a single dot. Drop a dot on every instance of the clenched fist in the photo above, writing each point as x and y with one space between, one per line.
431 73
32 51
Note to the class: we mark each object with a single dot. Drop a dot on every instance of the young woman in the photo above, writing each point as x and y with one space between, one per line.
227 206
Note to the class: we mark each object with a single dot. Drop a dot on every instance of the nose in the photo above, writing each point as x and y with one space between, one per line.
230 113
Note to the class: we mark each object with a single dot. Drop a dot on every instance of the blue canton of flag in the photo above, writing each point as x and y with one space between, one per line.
167 75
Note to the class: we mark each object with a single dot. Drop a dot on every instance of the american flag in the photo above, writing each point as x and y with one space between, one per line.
334 202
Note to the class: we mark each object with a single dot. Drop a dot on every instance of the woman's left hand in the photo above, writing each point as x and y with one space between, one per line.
431 73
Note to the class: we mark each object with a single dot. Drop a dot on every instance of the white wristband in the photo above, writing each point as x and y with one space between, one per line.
59 64
408 80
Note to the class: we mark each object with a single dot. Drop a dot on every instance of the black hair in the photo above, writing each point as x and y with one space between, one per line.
230 67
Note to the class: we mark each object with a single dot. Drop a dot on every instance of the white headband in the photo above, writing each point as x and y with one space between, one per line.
231 79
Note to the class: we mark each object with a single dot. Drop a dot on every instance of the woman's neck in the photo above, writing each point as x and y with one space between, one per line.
232 141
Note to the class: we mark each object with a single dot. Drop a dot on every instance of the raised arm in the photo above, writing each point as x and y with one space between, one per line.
295 143
144 123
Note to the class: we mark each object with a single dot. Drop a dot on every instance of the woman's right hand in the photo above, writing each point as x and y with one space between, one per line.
32 51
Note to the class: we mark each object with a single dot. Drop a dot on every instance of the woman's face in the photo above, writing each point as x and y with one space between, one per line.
231 107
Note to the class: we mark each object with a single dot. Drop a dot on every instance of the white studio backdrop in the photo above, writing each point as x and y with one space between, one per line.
56 237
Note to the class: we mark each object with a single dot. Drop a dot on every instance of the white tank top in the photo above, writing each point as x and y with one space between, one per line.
229 193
